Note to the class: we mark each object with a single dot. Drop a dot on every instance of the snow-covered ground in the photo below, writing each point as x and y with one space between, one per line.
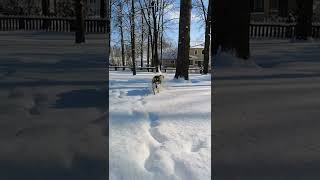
266 119
53 107
166 136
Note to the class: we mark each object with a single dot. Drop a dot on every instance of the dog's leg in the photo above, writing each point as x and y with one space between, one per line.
153 90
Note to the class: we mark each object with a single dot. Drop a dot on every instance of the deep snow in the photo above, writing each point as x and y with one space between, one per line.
162 136
266 119
53 104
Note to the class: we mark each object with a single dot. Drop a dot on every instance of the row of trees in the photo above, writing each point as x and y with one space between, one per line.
230 28
61 8
145 22
141 25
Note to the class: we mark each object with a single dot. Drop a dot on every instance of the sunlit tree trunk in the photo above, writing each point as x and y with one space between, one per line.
182 64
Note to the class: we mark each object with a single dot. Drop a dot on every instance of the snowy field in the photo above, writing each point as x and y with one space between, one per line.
266 118
53 107
166 136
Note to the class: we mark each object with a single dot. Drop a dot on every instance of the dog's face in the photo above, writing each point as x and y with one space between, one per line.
157 79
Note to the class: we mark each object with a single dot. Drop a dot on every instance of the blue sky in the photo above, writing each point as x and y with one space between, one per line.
171 33
197 25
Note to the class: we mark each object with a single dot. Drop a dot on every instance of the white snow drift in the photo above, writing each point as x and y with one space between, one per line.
163 136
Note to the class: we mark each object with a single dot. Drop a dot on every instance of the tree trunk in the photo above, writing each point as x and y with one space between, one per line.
231 27
80 21
161 39
148 52
102 8
55 7
155 37
304 21
45 12
133 44
120 20
142 40
182 64
207 40
108 28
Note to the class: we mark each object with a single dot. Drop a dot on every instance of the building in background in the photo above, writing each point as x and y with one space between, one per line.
59 8
196 56
263 10
278 10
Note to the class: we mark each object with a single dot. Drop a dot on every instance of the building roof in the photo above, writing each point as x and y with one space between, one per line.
198 46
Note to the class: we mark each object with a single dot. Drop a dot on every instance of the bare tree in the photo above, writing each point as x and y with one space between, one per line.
206 52
102 8
120 21
80 21
45 12
142 40
231 27
304 21
108 28
133 43
182 64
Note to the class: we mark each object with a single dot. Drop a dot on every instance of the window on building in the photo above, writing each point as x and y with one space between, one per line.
195 52
190 62
172 62
202 51
257 5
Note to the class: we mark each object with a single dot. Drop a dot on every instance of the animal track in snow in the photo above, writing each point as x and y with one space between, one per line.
198 145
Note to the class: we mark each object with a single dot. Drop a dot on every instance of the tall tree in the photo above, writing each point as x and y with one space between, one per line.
108 28
45 7
103 8
155 35
120 21
80 21
133 39
142 39
304 20
45 12
206 51
182 64
231 27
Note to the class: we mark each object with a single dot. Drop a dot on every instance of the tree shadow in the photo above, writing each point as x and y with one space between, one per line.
139 92
84 98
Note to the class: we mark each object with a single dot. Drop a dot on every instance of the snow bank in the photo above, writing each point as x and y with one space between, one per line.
224 59
163 136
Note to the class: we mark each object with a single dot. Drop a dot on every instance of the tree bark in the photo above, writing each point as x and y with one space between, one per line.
142 40
45 12
207 40
231 27
121 34
304 20
108 29
102 8
182 64
133 44
161 39
80 21
148 52
155 37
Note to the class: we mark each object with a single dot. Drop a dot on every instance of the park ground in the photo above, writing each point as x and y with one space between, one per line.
162 136
53 107
53 114
266 118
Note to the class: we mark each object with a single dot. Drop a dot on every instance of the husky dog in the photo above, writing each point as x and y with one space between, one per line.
156 83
